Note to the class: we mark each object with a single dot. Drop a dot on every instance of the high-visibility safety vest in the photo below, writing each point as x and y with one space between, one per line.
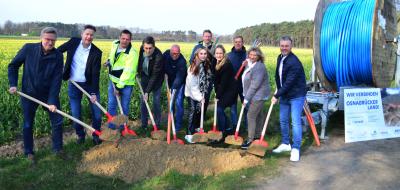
123 67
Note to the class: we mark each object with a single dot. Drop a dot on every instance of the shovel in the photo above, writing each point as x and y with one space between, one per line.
214 134
236 139
126 130
171 115
258 147
116 120
311 122
155 134
97 132
200 137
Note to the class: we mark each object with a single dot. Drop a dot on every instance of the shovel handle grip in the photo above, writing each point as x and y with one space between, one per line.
266 121
215 115
147 105
240 118
88 95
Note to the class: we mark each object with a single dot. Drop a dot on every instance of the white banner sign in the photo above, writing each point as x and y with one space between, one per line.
369 116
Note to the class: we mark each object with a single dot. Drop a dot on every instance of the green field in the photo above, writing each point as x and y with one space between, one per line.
53 173
10 122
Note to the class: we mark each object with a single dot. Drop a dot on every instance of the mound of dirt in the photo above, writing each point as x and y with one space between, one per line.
138 159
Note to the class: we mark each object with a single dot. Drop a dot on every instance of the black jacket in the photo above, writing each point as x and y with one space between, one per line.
42 74
156 70
225 85
293 78
93 64
175 69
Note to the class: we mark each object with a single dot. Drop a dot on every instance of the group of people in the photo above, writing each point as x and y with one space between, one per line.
210 67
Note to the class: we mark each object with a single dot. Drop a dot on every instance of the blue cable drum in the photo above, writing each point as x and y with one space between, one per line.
345 42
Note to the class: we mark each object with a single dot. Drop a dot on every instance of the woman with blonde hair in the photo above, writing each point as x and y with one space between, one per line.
225 87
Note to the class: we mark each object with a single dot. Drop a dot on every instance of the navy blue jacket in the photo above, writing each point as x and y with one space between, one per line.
42 74
156 70
199 45
175 69
210 54
237 57
293 78
93 63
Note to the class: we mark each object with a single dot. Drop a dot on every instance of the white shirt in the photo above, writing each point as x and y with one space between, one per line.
280 69
79 60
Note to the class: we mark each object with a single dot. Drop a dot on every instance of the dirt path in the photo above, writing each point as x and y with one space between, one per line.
336 165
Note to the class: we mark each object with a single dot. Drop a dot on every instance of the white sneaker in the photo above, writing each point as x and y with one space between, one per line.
189 138
282 148
295 155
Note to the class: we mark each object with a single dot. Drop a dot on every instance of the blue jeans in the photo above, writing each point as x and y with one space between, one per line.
156 107
125 97
29 110
222 121
178 108
291 108
75 98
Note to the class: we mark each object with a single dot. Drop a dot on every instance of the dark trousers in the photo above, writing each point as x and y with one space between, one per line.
194 115
222 119
144 115
29 110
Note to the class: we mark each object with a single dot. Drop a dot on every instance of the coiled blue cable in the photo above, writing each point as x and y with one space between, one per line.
345 42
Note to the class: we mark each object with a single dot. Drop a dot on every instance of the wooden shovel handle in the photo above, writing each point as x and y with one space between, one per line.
60 112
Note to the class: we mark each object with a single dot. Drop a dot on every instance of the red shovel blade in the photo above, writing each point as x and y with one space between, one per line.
155 128
261 143
179 141
128 131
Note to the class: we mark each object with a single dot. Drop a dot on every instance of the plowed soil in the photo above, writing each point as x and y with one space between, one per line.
137 159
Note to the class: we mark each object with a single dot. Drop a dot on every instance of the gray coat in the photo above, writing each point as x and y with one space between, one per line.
256 83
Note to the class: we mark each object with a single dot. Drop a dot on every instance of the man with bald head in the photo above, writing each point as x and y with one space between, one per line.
176 70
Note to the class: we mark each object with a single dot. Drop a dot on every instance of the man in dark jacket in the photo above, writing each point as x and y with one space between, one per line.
237 56
207 43
176 70
151 73
83 66
41 79
291 83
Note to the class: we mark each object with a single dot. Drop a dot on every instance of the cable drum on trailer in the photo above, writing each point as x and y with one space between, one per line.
351 42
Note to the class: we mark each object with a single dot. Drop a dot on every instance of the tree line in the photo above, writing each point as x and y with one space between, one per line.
267 33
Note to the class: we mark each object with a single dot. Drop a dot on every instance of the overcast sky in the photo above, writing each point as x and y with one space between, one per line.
220 16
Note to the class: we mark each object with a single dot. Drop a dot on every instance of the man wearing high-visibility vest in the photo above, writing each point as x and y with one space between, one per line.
123 61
